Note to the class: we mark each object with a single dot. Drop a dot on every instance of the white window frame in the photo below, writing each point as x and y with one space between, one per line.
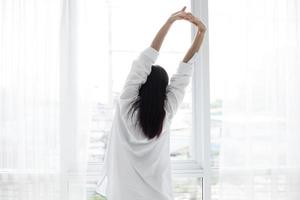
199 166
201 96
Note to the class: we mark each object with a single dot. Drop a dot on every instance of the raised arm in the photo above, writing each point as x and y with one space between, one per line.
141 66
201 29
160 36
180 80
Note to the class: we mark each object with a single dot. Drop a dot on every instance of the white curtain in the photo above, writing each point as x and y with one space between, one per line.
42 137
258 48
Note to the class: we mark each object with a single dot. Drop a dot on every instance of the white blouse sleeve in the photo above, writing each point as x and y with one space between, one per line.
178 83
141 68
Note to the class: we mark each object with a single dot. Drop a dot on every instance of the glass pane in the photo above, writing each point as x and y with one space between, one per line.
183 189
111 35
187 188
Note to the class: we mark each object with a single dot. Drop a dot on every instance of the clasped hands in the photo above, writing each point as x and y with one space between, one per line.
183 15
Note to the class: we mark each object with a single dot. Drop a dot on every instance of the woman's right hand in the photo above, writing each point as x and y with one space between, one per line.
178 15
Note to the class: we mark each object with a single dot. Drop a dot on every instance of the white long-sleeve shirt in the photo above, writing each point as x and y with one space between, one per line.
136 168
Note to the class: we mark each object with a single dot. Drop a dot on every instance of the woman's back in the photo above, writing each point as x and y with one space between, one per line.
139 168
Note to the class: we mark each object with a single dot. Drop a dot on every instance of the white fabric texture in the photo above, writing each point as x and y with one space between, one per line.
41 125
135 167
259 65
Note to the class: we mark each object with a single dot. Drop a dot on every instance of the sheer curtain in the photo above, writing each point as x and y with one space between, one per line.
257 43
42 137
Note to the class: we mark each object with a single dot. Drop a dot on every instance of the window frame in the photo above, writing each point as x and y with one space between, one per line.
200 165
201 101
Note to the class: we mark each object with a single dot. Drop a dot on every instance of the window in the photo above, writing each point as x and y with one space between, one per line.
124 37
110 37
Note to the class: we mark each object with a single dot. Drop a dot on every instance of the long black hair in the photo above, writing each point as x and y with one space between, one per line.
150 102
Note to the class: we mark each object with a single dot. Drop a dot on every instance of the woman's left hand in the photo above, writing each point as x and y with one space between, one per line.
196 21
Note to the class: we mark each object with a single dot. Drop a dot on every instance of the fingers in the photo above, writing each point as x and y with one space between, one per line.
182 14
182 10
190 16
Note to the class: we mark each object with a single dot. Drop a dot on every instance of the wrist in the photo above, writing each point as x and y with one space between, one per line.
170 21
201 28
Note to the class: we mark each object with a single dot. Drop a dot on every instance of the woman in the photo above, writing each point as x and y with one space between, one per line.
137 161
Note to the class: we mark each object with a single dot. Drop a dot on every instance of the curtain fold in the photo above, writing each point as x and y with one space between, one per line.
260 142
42 124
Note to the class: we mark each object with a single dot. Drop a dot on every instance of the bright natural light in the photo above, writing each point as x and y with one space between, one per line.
106 55
63 64
110 63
